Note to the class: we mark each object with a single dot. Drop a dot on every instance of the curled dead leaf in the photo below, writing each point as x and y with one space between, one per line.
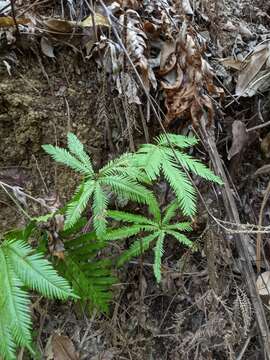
46 47
255 63
240 138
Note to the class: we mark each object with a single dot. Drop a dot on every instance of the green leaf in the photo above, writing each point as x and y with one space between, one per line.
183 226
170 212
182 187
35 271
100 203
128 217
137 248
76 147
158 255
129 189
149 158
195 166
180 141
180 237
125 232
64 157
78 203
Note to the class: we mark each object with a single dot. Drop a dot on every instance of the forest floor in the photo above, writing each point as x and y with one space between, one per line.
202 309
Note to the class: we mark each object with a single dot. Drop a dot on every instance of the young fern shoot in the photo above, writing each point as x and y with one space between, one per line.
156 229
159 158
118 176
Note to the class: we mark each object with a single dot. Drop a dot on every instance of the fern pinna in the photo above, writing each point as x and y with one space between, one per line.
166 157
155 229
21 269
118 176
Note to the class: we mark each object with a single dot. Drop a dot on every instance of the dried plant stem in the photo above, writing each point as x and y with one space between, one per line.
259 235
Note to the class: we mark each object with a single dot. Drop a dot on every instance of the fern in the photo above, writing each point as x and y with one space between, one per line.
119 176
157 230
159 158
90 277
22 268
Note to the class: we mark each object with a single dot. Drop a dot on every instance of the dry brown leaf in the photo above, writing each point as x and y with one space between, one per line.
46 47
7 21
240 137
263 283
167 57
61 348
232 63
256 61
62 26
100 20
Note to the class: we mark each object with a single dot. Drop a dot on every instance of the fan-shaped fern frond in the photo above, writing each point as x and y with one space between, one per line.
157 228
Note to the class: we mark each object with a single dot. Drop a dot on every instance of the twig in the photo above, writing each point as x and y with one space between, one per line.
259 236
14 16
258 126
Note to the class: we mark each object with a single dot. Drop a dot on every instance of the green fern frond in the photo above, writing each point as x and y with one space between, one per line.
100 204
180 141
158 255
194 166
170 212
128 217
128 189
122 233
15 303
35 271
182 187
137 248
180 237
77 148
149 158
7 344
183 226
64 157
78 203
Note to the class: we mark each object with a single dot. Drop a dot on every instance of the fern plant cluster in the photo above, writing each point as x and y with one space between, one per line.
132 176
81 273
